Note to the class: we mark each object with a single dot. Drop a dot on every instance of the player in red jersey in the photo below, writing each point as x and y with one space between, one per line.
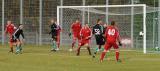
58 36
85 34
112 36
10 28
75 29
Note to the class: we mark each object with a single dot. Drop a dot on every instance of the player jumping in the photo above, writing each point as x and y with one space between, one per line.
98 31
16 39
112 36
10 28
85 34
75 29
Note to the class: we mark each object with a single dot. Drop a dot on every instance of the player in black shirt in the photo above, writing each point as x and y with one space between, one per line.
54 33
17 40
98 31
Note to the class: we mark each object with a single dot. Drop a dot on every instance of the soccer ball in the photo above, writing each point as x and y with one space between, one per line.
157 48
70 50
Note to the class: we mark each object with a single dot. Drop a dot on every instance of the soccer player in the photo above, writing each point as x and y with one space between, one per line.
53 33
58 36
75 29
10 28
85 35
16 38
112 36
98 31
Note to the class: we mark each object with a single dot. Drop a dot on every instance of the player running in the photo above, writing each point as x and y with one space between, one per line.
10 28
98 31
54 34
85 35
112 36
17 40
75 29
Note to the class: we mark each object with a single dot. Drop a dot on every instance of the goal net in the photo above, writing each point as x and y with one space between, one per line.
131 21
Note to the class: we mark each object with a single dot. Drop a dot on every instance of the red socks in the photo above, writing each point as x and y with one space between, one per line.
102 55
73 44
117 56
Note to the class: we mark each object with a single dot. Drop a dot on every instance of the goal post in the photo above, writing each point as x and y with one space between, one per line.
97 11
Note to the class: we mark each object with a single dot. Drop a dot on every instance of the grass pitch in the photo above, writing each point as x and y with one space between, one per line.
39 58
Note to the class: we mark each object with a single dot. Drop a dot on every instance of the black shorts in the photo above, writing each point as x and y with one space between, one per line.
100 40
14 39
54 37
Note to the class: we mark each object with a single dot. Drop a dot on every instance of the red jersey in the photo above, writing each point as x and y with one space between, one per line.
59 30
76 28
10 29
86 33
111 34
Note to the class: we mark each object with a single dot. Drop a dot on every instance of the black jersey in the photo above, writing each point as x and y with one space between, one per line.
54 29
98 30
17 33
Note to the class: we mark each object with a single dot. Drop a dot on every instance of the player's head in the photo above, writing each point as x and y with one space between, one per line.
113 23
52 20
77 20
105 25
20 26
9 22
86 25
99 21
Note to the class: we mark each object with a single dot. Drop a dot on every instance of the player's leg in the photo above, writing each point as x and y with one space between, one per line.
116 52
11 41
20 46
18 43
58 42
88 46
80 44
54 44
106 48
11 46
100 42
73 42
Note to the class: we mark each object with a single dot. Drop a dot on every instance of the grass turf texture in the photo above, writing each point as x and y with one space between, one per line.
39 58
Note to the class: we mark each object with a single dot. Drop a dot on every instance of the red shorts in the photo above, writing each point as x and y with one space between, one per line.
108 45
83 42
76 36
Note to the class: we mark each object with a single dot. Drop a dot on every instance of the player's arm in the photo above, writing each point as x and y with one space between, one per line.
81 34
93 31
6 30
105 33
89 37
22 34
70 31
14 27
119 38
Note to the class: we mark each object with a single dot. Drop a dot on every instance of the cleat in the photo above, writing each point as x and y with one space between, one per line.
119 60
53 50
77 54
93 56
57 49
101 61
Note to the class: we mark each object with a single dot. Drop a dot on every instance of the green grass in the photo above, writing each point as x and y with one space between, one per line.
39 58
